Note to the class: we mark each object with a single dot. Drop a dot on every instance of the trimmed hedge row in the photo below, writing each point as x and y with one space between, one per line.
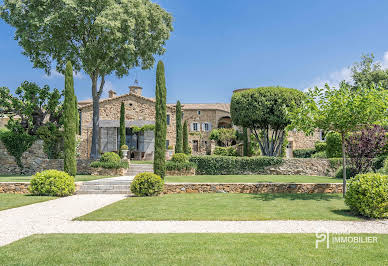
303 153
179 166
110 165
226 165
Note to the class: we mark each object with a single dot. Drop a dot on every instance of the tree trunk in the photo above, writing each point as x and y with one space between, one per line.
343 163
96 118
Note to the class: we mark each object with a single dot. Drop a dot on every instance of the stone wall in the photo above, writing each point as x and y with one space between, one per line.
14 188
35 160
252 188
180 173
300 140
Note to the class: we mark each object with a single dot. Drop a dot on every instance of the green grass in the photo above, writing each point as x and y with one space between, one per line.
142 162
25 178
251 179
227 207
8 201
189 249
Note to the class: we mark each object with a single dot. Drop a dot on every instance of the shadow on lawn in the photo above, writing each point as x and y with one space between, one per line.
294 196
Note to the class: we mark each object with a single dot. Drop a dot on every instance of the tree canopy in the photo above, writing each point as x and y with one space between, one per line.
264 112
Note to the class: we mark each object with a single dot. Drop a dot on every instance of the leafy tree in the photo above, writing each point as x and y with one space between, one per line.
264 112
100 37
363 146
186 147
224 135
122 127
160 122
69 123
179 137
333 145
340 110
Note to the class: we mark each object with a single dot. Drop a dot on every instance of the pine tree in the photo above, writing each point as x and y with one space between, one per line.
186 147
160 122
122 128
179 137
69 123
77 131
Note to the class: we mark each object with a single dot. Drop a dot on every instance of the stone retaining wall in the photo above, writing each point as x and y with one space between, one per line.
35 160
181 173
14 188
252 188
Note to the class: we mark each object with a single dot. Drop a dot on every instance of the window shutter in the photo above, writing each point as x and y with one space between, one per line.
192 127
210 126
203 127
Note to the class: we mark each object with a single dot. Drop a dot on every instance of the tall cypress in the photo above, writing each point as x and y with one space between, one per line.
160 122
179 137
77 130
245 136
69 122
122 127
186 148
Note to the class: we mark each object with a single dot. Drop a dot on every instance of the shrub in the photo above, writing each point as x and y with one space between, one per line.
226 165
378 162
303 153
124 147
52 183
333 145
350 172
180 158
147 184
110 165
367 195
110 157
321 154
179 166
320 146
385 169
225 151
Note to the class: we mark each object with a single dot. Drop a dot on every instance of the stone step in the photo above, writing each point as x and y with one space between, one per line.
126 192
104 187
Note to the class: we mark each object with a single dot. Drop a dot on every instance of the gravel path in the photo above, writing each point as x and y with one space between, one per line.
56 216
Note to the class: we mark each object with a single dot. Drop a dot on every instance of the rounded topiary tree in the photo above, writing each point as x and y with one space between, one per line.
110 157
160 122
367 195
147 184
264 112
52 183
179 136
69 123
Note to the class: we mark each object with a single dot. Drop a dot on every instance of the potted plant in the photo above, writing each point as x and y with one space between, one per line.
124 149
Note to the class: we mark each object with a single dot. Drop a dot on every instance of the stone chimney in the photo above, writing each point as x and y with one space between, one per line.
112 94
136 89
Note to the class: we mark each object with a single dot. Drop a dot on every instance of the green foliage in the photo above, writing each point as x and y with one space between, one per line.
144 128
110 157
147 184
110 165
367 195
16 143
246 143
385 169
179 136
69 123
225 165
179 166
52 183
303 153
180 158
264 112
321 155
350 172
161 122
124 147
225 151
52 140
320 146
186 146
122 128
77 122
224 135
333 145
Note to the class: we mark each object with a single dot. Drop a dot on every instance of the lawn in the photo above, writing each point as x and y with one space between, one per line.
189 249
251 179
226 207
8 201
141 162
26 178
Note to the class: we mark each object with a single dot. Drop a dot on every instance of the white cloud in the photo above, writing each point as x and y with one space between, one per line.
55 74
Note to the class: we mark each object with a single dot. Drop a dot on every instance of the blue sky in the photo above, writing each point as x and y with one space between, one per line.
220 45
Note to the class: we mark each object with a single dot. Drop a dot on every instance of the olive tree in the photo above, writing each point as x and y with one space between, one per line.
341 110
264 112
100 37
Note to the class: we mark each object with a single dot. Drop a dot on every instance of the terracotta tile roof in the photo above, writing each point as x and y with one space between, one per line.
207 106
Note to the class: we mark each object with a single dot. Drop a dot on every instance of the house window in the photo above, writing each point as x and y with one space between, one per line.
168 120
206 127
199 112
195 127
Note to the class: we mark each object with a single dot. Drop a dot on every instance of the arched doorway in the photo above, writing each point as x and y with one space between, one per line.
225 122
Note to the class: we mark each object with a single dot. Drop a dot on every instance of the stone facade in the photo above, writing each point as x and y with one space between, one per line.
250 188
299 140
35 160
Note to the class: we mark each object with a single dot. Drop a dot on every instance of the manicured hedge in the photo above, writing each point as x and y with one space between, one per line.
147 184
227 165
303 153
179 166
110 165
52 183
225 151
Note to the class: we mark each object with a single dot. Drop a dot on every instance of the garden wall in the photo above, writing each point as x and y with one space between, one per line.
35 160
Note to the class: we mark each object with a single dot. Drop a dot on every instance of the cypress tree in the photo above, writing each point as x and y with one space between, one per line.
77 131
160 122
245 136
186 148
69 122
122 127
179 137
